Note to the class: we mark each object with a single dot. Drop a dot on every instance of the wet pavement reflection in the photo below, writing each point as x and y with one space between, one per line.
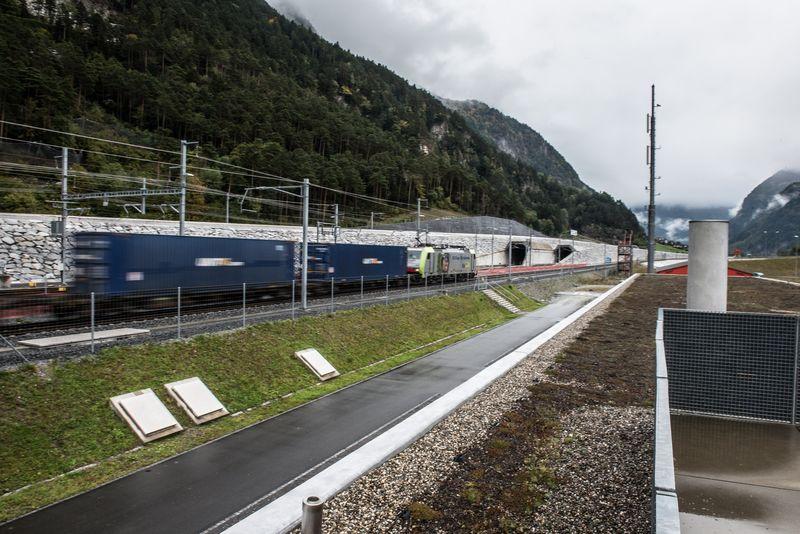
736 476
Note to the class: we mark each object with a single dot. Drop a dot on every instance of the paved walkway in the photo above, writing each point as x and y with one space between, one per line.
213 486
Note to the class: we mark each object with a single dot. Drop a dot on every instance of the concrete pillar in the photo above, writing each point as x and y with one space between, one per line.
707 285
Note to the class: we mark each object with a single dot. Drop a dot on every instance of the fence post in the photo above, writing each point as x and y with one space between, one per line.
91 313
361 302
442 283
293 284
179 312
387 289
426 285
796 393
244 304
332 304
408 286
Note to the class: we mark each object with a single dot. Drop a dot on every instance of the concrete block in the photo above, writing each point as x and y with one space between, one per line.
145 414
199 403
317 363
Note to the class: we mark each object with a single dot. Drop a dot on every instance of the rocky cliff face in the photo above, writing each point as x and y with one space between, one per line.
516 139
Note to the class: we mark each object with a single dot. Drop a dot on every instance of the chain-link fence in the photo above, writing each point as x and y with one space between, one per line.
733 364
88 320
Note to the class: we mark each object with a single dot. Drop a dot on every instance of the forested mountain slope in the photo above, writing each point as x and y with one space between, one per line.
268 94
516 139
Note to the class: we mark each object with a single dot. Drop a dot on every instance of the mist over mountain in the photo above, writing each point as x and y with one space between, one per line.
672 220
769 216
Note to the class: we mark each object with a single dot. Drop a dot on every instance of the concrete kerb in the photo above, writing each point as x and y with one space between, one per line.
666 519
284 513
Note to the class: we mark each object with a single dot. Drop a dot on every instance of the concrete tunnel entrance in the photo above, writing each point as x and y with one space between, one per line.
518 252
562 251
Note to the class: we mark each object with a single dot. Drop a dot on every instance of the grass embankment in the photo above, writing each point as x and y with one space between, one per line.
781 268
56 418
661 247
519 299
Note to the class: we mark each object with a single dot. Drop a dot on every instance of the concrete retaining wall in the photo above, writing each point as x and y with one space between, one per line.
28 251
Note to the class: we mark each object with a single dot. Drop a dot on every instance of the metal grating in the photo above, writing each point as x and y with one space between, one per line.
733 364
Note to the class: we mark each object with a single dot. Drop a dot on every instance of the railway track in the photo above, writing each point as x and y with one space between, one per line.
229 314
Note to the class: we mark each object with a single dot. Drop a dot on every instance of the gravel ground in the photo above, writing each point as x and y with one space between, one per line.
379 501
599 464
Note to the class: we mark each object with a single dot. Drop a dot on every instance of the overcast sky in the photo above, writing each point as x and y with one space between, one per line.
727 76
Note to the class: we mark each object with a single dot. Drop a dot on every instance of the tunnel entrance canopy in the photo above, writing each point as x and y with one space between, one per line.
562 251
518 253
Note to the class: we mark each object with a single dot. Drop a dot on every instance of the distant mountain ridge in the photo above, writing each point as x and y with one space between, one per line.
516 139
769 216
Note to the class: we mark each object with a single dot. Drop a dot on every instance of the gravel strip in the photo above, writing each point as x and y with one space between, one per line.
600 465
377 501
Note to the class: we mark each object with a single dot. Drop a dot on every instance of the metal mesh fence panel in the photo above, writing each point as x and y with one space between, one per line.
733 364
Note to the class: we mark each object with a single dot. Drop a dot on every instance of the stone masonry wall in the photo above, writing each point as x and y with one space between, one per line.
28 251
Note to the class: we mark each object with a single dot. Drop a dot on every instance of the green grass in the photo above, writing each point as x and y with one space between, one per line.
781 268
661 247
57 418
520 299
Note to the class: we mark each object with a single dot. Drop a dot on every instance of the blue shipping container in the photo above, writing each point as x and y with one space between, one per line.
112 263
348 263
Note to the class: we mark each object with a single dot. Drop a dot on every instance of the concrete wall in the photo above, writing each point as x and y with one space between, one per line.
28 251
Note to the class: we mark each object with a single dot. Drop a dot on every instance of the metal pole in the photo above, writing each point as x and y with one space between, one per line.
361 302
796 253
91 313
304 279
311 522
372 220
294 282
227 207
530 246
419 216
509 252
182 212
244 304
492 248
179 312
795 392
651 209
335 223
332 304
426 285
64 212
387 289
144 195
408 286
442 283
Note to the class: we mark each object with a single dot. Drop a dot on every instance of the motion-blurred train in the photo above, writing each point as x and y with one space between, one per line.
137 275
109 263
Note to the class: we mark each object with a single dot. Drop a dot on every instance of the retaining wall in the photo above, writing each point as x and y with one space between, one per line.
29 251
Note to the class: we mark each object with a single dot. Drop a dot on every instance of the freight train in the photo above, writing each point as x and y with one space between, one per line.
109 263
139 274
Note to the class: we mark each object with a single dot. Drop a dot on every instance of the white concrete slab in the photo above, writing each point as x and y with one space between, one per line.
45 342
145 414
199 403
317 363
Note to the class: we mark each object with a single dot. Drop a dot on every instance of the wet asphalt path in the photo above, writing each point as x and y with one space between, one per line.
205 488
